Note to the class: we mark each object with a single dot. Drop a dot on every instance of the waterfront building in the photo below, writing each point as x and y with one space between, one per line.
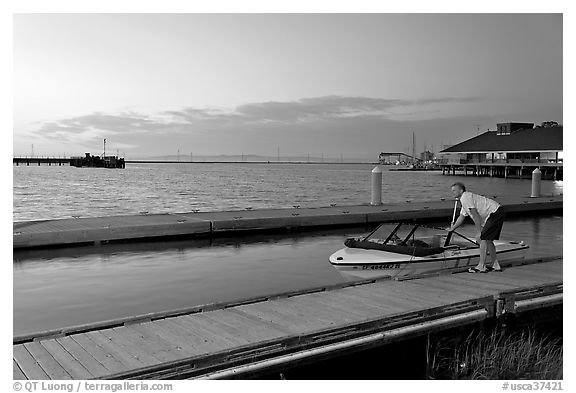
512 150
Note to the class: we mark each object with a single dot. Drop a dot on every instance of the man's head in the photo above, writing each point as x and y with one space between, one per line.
458 189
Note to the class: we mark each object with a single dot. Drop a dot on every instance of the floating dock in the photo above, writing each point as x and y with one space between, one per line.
258 336
96 230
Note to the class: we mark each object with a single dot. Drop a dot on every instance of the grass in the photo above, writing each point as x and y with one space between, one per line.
497 354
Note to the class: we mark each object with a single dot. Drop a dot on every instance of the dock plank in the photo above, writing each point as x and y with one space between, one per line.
17 373
451 286
66 360
303 308
238 324
120 337
212 329
347 301
176 343
52 368
94 367
395 292
310 308
504 279
381 301
259 321
536 278
444 295
473 280
343 306
203 330
293 323
359 299
549 272
104 357
155 345
553 267
385 295
193 340
116 350
357 308
28 364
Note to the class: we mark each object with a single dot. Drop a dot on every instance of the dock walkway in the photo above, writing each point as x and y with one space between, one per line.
258 335
91 230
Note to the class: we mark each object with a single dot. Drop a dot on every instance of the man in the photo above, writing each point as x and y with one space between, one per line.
488 217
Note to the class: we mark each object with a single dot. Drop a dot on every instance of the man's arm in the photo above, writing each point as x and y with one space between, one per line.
458 222
476 218
477 222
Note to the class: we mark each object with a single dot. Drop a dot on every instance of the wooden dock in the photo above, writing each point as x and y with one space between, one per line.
94 230
252 336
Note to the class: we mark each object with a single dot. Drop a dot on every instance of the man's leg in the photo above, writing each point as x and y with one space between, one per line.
483 249
492 251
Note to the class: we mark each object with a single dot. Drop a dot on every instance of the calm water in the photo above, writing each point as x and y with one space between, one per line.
47 192
57 288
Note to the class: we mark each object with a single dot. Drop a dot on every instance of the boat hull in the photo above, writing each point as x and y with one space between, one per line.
355 260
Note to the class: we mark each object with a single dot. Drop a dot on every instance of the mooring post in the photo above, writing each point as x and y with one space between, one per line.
536 182
376 186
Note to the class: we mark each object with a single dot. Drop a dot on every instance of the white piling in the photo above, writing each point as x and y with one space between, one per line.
536 181
376 186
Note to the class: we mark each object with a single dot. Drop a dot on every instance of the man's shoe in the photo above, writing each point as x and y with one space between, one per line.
476 270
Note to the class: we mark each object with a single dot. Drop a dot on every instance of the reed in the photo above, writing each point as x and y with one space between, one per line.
497 354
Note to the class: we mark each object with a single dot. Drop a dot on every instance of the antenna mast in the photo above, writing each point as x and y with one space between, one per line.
104 154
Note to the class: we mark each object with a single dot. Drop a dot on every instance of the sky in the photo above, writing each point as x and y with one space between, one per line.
336 85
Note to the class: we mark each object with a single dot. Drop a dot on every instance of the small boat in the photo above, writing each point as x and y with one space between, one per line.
400 249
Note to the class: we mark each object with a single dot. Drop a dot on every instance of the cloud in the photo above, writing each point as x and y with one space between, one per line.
317 111
327 107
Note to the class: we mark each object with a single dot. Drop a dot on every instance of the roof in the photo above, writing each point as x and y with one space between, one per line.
526 140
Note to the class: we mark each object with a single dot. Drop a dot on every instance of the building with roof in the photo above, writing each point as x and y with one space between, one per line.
512 150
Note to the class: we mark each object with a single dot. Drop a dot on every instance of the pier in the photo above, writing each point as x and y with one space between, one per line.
256 336
97 230
41 160
505 168
79 162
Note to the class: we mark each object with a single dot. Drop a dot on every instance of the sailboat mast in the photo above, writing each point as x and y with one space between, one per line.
413 148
